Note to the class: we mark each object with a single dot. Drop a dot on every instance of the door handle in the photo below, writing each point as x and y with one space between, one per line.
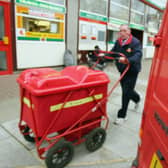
5 40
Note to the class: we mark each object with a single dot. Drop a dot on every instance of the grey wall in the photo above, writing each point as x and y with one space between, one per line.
72 26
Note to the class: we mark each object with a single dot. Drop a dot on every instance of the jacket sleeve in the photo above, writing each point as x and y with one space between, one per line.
115 49
137 53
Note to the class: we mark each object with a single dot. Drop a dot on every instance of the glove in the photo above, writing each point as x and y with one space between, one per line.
101 55
123 60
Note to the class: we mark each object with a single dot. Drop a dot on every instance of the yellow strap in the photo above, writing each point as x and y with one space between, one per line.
75 102
27 102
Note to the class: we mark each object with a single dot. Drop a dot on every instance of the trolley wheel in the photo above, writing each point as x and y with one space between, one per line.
95 139
59 155
28 137
135 163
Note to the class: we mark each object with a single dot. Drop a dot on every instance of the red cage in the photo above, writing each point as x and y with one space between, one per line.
61 108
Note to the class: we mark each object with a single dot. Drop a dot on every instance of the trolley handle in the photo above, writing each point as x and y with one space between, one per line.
105 55
100 55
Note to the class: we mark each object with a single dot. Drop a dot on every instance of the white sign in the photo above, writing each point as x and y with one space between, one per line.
41 14
94 30
84 29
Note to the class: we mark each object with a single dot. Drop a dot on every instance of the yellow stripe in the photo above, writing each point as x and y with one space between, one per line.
76 102
44 35
27 102
21 9
19 22
155 162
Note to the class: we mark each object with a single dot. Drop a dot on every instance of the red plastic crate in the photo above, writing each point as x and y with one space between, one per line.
44 92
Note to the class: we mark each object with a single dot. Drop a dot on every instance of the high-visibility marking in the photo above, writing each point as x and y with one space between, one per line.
27 102
76 102
155 163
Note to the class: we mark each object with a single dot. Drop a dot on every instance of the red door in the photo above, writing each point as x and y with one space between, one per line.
5 39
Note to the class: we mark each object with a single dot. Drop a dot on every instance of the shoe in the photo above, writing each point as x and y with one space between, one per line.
120 121
137 106
99 66
104 64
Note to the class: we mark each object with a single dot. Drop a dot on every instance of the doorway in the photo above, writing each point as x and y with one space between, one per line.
5 39
138 34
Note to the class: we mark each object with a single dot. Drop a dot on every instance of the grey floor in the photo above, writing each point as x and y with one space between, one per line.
118 150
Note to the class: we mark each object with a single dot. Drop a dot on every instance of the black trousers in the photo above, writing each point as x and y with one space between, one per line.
128 93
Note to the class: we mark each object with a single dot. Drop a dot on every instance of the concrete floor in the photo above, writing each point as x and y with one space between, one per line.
118 150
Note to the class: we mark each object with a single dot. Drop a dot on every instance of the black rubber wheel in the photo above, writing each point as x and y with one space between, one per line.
135 163
59 155
28 137
95 139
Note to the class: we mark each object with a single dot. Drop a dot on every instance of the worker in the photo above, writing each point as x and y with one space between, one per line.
131 48
93 57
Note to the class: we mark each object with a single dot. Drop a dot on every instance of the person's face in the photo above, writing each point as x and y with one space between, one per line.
96 49
124 32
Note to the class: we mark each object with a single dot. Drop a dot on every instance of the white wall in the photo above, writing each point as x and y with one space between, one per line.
148 51
39 54
90 46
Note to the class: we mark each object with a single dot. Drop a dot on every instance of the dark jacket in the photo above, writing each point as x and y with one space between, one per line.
132 49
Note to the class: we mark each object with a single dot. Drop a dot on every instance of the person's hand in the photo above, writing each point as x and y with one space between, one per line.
123 60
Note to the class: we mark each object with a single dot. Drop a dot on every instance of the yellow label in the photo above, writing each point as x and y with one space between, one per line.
35 34
21 9
155 163
59 16
19 21
42 35
76 102
6 40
